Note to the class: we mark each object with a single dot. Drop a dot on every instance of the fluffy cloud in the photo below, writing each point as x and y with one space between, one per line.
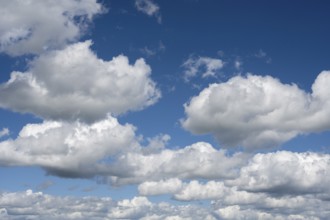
148 7
68 149
286 172
31 27
199 160
169 186
204 66
259 111
74 83
32 205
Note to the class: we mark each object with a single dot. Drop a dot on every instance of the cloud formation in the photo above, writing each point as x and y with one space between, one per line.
31 27
74 83
68 149
32 205
259 111
204 66
149 8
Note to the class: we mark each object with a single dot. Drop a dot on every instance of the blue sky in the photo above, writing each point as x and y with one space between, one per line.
155 109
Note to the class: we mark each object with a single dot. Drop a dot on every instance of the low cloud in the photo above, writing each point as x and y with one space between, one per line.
31 27
74 83
259 111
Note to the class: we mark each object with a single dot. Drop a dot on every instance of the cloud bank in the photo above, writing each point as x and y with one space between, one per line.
259 111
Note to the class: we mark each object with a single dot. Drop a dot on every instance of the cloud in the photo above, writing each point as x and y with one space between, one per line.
149 8
32 205
199 160
4 132
286 173
204 66
68 149
74 83
259 111
169 186
31 27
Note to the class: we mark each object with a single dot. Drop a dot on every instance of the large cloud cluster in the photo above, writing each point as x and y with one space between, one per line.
74 83
32 27
259 111
32 205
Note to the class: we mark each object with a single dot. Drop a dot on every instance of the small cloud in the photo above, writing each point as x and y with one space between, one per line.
89 189
45 185
149 52
4 132
263 55
204 66
149 8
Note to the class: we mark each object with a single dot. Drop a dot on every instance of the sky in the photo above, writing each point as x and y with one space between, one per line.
157 109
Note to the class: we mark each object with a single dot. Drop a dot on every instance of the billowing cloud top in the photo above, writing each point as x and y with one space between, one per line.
74 84
30 27
259 112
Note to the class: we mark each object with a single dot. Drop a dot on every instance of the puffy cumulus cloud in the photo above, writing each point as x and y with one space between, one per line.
259 111
31 27
69 149
169 186
36 205
196 191
74 83
204 66
149 8
199 160
286 173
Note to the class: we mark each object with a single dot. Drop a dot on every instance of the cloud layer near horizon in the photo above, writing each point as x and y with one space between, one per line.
74 83
259 111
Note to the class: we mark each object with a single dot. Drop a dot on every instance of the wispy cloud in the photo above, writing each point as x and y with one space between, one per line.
149 8
4 132
203 66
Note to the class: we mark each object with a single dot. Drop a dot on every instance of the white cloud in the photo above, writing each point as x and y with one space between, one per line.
286 173
31 27
259 111
199 160
33 205
4 132
148 7
169 186
69 149
204 66
74 83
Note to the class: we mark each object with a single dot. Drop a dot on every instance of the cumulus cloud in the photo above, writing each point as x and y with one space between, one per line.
286 173
204 66
169 186
149 8
259 111
68 149
31 27
199 160
74 83
32 205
